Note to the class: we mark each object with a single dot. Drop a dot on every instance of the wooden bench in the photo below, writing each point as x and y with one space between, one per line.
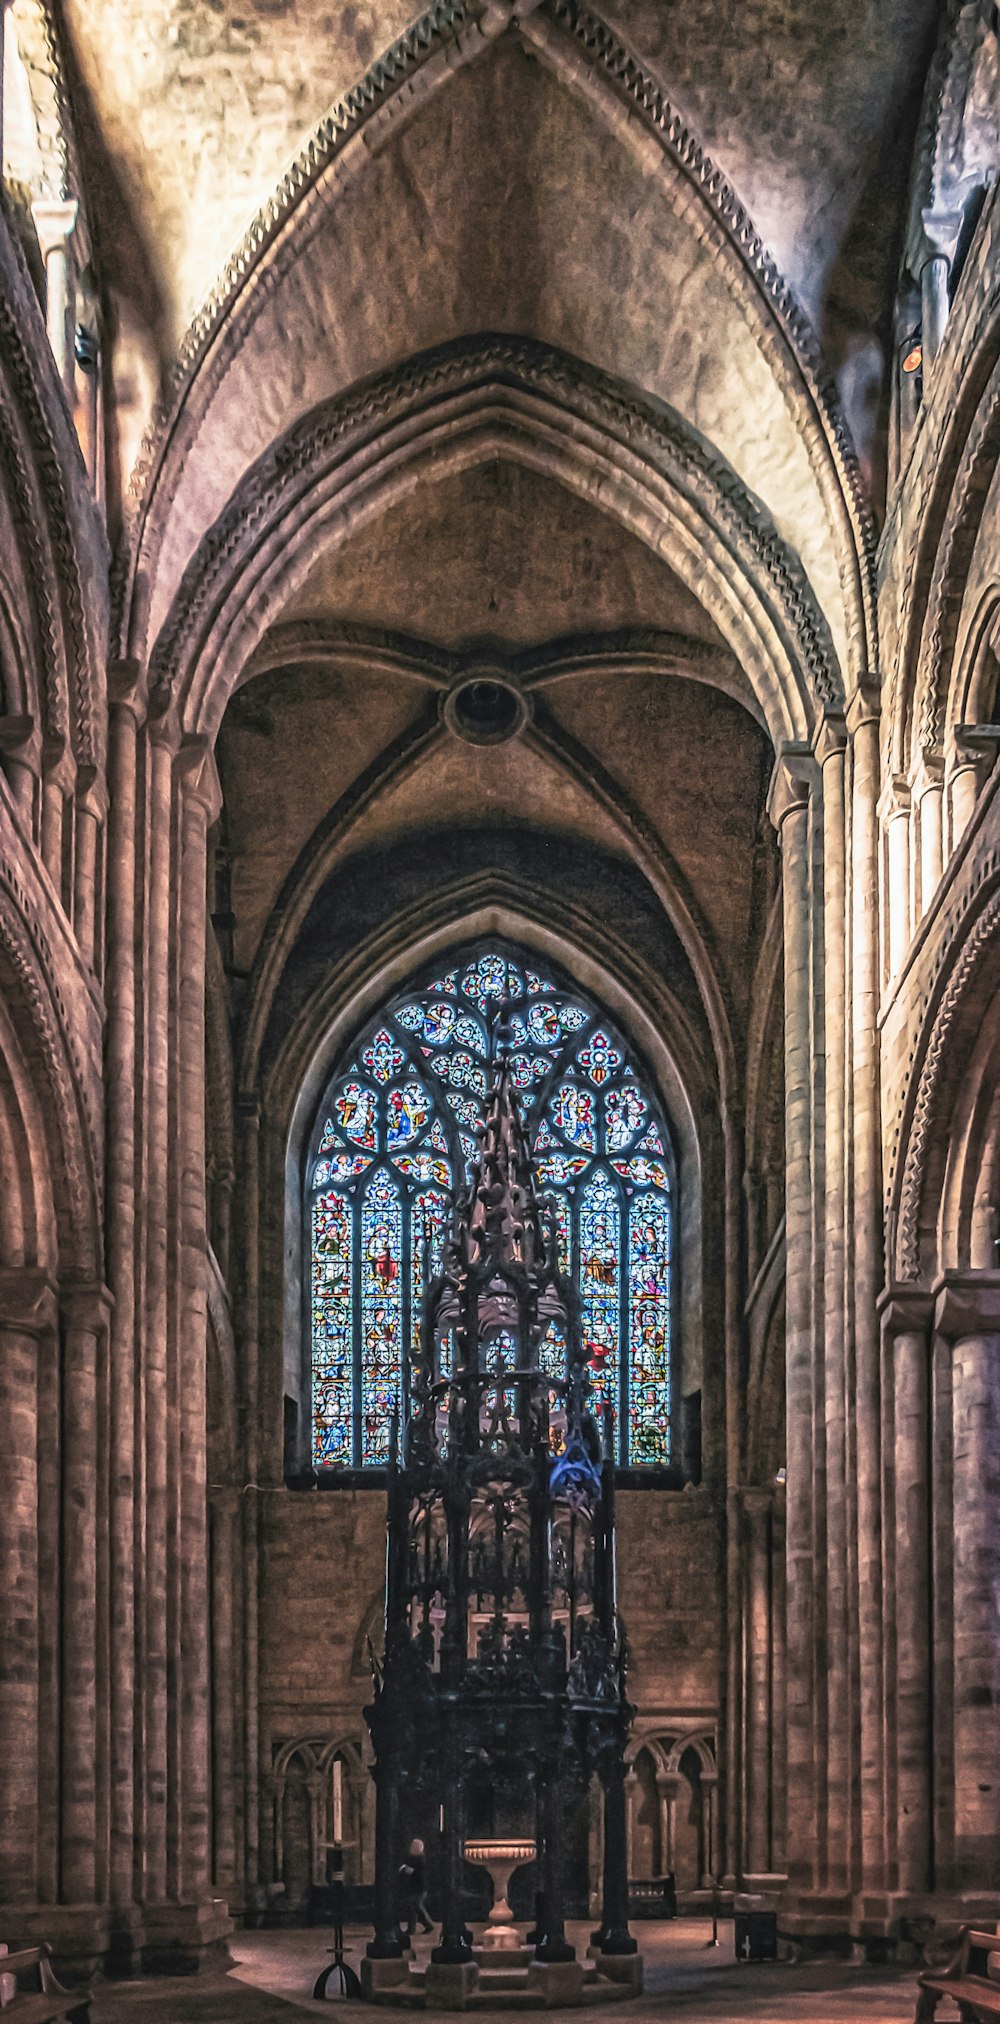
44 1999
977 1994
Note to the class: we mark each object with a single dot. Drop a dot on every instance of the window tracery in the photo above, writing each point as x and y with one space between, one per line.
395 1142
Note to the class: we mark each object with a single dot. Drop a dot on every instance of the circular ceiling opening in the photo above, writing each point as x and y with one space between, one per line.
485 709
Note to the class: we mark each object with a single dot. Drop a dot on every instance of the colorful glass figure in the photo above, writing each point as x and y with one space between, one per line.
399 1135
600 1286
649 1330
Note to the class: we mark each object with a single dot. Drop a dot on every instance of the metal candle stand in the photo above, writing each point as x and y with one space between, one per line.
349 1982
504 1657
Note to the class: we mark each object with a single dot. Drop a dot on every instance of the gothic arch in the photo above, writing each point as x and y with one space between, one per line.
583 53
60 545
944 1121
67 1133
317 864
468 402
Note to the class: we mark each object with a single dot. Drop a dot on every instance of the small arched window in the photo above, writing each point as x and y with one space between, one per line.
396 1140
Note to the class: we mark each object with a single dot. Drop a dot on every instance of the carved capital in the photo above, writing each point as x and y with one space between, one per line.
830 741
967 1303
55 224
20 738
28 1301
795 773
864 704
905 1309
128 688
199 776
86 1306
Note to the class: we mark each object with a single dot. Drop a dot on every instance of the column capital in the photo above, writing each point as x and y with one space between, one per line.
28 1300
91 792
795 773
199 774
830 737
58 763
21 739
905 1309
928 776
972 743
895 799
162 720
864 704
55 222
86 1305
967 1303
128 687
940 232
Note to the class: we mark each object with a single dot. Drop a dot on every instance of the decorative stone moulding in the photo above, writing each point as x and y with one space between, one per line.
485 706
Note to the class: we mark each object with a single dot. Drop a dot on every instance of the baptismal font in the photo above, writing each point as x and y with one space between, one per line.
504 1658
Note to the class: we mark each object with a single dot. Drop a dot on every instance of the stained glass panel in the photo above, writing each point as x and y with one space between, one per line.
600 1286
398 1133
649 1330
429 1219
383 1057
381 1315
332 1331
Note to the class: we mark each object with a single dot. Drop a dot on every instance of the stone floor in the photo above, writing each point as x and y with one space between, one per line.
273 1974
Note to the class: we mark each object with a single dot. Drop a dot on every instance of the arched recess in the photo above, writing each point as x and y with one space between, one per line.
324 1030
338 188
59 542
472 401
945 1145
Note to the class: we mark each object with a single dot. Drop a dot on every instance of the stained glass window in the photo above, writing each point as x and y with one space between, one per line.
395 1140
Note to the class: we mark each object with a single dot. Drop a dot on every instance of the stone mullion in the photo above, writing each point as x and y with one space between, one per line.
867 1274
197 803
162 744
832 1403
790 811
122 1181
25 1300
85 1318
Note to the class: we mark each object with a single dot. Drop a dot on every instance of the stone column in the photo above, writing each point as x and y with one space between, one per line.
934 304
26 1309
224 1520
163 740
897 816
199 804
929 792
710 1819
55 223
248 1141
866 1227
968 1316
757 1506
91 808
779 1760
789 810
906 1314
127 708
85 1313
963 783
830 748
58 776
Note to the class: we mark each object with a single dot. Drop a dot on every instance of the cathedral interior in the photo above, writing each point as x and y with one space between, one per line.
499 519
